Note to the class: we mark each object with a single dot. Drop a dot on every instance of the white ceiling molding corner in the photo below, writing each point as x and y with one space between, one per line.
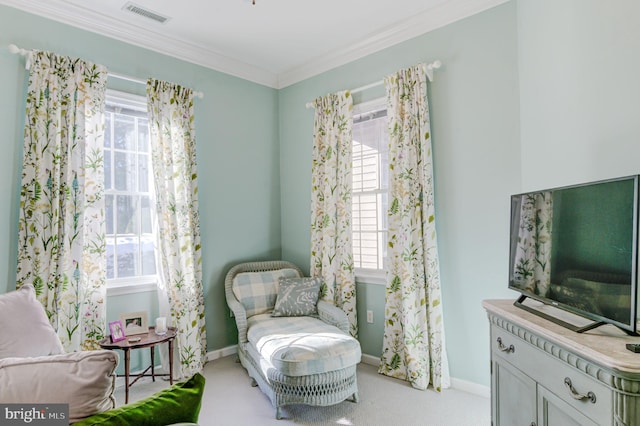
91 21
423 23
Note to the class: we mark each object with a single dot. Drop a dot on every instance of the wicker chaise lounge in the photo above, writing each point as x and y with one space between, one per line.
294 359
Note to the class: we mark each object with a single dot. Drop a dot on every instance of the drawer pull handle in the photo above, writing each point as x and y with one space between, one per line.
503 348
575 395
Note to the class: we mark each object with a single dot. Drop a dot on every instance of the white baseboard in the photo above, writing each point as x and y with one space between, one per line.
459 384
470 387
220 353
370 360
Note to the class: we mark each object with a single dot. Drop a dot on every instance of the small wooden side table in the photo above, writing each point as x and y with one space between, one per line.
149 340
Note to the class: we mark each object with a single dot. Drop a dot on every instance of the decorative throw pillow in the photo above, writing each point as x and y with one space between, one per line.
257 291
85 380
297 297
28 332
177 404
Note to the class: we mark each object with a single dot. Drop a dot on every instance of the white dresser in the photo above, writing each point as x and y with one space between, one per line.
545 374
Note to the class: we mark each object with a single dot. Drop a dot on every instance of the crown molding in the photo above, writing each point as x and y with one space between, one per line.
439 16
86 19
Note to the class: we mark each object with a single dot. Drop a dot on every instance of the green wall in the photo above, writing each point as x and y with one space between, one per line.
237 150
370 297
579 66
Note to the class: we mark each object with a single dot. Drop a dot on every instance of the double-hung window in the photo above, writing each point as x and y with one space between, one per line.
129 199
370 189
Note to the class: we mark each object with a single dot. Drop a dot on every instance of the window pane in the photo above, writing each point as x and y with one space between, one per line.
143 135
128 257
145 215
127 214
369 170
124 132
148 255
125 171
143 173
369 250
368 212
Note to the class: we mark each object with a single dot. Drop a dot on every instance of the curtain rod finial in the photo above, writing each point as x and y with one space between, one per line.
22 52
434 65
16 50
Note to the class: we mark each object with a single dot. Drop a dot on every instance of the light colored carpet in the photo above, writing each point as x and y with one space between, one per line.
229 399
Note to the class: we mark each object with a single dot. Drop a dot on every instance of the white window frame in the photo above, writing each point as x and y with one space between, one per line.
144 283
368 275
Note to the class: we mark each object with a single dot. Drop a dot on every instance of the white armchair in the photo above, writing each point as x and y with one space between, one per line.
35 369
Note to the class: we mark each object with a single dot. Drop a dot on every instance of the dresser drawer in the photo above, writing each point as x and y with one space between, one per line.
552 373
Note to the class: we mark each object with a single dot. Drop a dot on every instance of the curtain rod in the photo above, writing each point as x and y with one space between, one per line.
23 52
430 67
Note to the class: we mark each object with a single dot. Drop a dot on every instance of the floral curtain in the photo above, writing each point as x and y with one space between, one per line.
532 267
414 344
174 168
61 236
331 248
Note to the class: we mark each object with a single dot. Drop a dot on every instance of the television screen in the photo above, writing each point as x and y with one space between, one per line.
576 248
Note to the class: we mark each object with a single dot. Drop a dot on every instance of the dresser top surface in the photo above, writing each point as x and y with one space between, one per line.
604 345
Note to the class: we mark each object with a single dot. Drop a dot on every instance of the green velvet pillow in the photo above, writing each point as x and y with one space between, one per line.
176 404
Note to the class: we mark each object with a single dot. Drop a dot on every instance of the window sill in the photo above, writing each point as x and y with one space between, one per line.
371 276
121 289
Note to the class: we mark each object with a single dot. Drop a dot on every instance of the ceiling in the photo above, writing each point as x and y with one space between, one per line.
272 42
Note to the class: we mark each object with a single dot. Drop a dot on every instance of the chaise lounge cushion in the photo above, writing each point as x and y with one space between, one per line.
257 291
28 332
84 380
300 346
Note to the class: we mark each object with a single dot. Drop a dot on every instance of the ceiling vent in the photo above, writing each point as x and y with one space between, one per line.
145 13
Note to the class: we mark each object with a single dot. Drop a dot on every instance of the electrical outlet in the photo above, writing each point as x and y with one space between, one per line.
370 317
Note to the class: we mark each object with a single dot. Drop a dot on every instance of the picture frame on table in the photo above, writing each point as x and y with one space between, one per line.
117 331
135 323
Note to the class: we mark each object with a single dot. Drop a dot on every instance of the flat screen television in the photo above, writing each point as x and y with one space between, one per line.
576 248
